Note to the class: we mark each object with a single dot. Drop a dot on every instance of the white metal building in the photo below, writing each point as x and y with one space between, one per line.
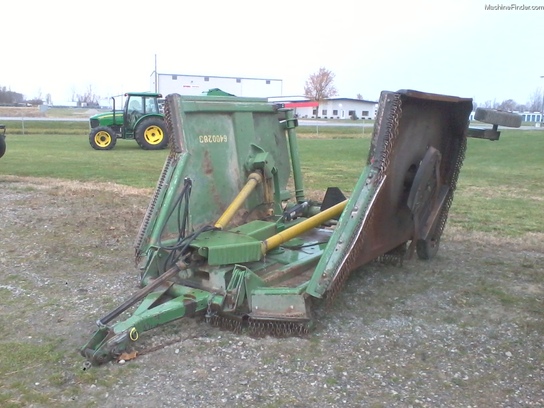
347 108
332 108
199 84
531 116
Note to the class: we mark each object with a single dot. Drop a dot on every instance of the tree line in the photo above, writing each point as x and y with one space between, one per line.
9 97
534 104
320 86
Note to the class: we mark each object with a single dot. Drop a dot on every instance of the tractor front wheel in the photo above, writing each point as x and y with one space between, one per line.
102 138
151 134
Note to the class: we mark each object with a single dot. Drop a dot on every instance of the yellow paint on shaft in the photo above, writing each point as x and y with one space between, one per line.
252 181
276 240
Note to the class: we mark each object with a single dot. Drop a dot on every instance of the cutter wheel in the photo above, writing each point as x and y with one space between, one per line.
224 238
417 149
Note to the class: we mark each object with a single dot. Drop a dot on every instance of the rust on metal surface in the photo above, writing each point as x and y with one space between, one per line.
409 124
427 122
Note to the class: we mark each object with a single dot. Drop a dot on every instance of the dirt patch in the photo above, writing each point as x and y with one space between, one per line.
21 112
502 192
464 329
76 186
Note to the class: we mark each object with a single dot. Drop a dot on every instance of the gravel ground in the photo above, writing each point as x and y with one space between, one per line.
463 330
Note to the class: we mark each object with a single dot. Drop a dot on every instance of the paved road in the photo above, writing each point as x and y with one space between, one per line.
6 118
301 122
350 123
368 124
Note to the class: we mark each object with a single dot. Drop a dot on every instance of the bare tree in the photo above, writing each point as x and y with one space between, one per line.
88 99
37 100
520 107
359 96
319 86
536 101
490 104
508 105
9 97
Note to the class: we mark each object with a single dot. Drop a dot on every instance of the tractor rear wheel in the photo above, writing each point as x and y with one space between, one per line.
2 145
151 134
102 138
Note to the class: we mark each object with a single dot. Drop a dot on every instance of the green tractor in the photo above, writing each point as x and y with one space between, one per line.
141 119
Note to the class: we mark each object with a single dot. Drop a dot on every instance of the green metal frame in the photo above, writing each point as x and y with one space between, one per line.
216 240
222 140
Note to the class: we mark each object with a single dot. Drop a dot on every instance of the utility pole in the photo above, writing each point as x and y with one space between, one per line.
542 106
156 76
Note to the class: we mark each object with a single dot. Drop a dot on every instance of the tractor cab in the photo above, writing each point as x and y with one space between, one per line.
136 107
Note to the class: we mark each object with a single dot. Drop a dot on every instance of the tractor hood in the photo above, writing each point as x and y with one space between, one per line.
107 119
105 115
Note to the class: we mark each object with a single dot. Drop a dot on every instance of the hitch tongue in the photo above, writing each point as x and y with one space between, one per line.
170 273
105 342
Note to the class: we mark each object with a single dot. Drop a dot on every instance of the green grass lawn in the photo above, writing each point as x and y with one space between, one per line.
501 187
45 127
71 157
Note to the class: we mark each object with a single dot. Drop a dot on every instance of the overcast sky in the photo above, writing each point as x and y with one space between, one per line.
454 47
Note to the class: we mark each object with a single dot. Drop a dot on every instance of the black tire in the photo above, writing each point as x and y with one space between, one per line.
2 145
102 138
151 134
496 117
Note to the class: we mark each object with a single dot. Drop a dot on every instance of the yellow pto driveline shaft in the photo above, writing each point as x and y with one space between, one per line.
252 181
276 240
